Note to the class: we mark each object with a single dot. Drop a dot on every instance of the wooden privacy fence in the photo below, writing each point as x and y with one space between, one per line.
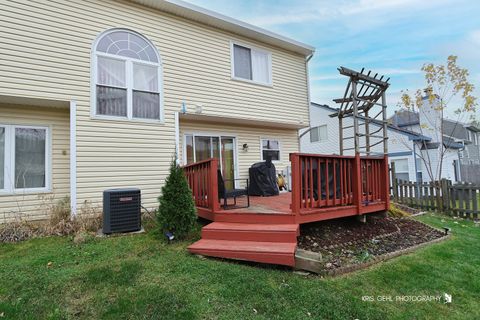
459 199
202 178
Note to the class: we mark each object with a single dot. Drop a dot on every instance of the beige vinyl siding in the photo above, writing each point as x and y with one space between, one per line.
252 136
45 52
32 206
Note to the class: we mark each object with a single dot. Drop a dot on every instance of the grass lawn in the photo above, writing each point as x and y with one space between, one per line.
142 277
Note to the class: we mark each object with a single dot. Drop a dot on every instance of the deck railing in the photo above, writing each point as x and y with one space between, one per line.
320 183
325 181
202 178
373 179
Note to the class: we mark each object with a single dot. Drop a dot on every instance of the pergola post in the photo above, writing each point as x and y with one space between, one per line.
364 101
361 102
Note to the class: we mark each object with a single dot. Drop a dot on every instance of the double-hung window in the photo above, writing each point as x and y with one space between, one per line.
127 77
24 159
251 64
319 134
270 149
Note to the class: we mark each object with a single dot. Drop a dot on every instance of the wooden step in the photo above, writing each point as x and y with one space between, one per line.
264 252
257 218
251 232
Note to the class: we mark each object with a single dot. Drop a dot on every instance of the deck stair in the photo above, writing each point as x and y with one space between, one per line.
265 243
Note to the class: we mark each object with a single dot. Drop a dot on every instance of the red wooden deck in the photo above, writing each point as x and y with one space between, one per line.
323 187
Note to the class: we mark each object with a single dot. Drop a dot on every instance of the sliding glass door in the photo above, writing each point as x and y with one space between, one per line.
200 147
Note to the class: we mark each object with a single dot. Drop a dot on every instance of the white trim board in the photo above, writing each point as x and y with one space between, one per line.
73 157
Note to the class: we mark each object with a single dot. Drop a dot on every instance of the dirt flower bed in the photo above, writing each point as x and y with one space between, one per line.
347 242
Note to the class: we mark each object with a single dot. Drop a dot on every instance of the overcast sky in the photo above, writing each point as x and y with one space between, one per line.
394 37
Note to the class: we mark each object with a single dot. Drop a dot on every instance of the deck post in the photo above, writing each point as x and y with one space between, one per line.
357 182
386 188
296 183
213 187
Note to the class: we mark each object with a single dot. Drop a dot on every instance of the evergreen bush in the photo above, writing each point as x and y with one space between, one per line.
176 212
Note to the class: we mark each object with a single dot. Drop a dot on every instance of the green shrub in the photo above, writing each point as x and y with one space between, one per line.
176 212
397 212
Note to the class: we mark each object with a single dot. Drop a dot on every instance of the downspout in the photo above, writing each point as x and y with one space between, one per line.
415 161
459 171
177 137
309 100
416 167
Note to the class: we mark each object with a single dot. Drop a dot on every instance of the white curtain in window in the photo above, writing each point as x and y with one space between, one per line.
30 151
146 100
146 105
111 72
145 78
111 101
242 62
260 67
2 158
270 144
111 83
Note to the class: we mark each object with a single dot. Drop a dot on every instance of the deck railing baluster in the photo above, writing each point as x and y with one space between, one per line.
202 180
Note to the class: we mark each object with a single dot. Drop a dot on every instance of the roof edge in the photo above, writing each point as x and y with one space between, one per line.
218 20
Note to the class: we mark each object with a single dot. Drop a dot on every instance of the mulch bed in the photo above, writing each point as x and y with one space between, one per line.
347 242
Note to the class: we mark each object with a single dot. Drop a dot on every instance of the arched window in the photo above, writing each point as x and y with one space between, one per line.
127 76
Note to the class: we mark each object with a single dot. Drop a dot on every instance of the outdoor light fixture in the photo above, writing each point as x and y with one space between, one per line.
447 230
169 236
245 147
184 107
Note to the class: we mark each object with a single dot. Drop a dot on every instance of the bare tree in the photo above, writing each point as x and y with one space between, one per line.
446 85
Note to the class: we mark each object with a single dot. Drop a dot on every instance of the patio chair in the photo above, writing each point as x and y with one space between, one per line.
225 193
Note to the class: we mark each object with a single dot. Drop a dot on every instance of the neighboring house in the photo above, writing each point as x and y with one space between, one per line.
466 134
404 145
102 94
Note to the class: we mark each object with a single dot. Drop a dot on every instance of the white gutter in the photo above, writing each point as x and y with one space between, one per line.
217 20
73 158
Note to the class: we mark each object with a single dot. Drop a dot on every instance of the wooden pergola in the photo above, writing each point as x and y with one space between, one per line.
364 101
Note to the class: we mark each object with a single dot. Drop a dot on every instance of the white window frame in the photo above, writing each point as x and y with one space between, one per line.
279 149
252 48
318 130
9 169
128 79
6 161
212 135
